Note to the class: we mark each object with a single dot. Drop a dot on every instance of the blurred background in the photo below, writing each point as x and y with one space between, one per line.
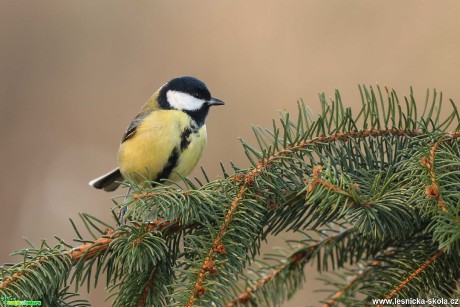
74 73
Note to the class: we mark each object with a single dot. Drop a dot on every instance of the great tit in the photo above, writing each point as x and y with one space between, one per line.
166 139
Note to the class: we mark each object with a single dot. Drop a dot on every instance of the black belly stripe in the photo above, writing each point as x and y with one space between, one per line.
170 165
174 156
185 139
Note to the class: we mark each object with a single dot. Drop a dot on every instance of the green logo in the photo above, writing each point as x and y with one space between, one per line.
10 301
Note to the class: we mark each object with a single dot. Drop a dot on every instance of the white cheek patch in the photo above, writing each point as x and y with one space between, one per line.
184 101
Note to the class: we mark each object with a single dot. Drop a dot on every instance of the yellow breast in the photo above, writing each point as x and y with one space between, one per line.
163 144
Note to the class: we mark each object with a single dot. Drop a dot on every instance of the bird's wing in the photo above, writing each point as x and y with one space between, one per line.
150 106
133 126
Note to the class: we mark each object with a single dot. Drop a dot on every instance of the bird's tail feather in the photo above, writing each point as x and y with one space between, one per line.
108 182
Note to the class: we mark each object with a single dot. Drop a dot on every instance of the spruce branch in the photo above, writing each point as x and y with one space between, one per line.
350 284
83 252
217 248
373 196
417 272
293 262
143 299
432 191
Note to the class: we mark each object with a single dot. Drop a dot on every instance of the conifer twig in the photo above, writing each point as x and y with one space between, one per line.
299 257
218 248
342 291
244 298
149 285
338 294
91 249
432 191
417 272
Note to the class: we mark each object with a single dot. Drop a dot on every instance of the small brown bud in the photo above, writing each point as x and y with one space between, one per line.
317 170
425 162
200 291
220 249
432 191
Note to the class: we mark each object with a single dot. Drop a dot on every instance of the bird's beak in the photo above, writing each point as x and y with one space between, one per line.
215 102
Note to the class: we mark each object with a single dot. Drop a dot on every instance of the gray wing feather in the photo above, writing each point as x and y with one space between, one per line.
131 131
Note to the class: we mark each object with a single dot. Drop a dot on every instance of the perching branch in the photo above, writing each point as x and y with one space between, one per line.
379 188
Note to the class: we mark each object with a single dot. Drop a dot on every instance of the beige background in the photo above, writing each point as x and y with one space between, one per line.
74 73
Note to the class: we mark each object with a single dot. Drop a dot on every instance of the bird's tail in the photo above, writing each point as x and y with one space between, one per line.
108 182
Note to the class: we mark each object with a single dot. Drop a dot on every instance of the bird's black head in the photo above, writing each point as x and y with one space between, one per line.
189 95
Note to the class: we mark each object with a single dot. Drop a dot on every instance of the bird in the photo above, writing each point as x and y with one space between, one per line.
166 139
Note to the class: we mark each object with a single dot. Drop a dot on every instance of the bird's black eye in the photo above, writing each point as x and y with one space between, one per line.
196 95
